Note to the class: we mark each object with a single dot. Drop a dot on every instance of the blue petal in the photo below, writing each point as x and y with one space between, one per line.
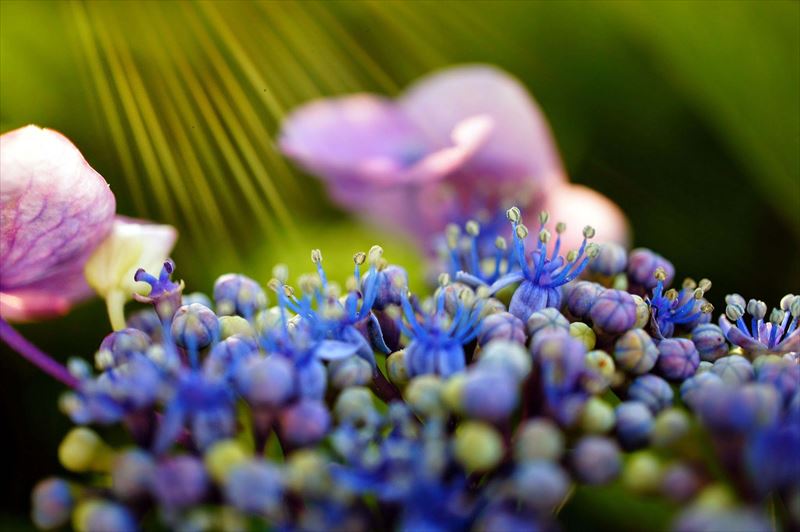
335 350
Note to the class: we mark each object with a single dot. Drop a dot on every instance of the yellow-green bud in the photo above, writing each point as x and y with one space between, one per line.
451 392
423 394
584 333
715 496
230 325
477 446
597 416
222 457
642 312
642 473
306 472
396 368
82 450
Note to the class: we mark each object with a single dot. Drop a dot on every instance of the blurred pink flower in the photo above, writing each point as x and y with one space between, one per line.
54 211
456 143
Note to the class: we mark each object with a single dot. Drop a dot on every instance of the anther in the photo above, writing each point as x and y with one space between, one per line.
500 243
316 256
281 272
473 228
661 274
776 317
671 294
588 231
592 250
359 257
705 284
375 254
734 312
544 236
561 227
521 231
543 217
572 255
706 308
513 215
689 283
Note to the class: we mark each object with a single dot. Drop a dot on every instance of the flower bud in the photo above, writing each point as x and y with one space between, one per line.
194 326
123 344
614 311
584 333
651 390
611 260
305 422
266 381
634 424
477 446
734 370
222 457
255 487
235 325
635 352
82 450
596 460
580 296
538 439
541 484
355 406
423 395
489 394
238 294
677 359
671 425
510 357
547 320
643 473
307 473
597 416
97 515
396 368
642 265
51 503
180 482
350 371
132 474
709 341
501 326
603 368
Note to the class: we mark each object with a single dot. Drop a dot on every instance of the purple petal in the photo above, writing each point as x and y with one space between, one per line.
521 146
55 209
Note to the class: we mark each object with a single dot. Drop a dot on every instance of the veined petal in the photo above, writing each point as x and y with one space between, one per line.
54 211
521 145
132 244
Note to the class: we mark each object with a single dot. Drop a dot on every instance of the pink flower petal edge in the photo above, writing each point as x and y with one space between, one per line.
54 211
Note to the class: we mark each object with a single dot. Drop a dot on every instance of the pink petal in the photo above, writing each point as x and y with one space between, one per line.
55 209
352 137
521 146
579 206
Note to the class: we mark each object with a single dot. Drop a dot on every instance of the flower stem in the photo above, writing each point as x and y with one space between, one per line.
33 354
115 305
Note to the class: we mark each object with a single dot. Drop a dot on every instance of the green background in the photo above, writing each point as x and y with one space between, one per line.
684 113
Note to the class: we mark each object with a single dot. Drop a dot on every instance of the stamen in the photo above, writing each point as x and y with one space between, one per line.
473 228
543 217
689 284
561 227
514 215
588 232
281 272
521 231
660 274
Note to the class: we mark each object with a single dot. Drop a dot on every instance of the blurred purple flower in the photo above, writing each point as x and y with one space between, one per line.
55 210
466 140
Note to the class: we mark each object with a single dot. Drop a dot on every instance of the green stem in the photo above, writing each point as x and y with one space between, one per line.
115 305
